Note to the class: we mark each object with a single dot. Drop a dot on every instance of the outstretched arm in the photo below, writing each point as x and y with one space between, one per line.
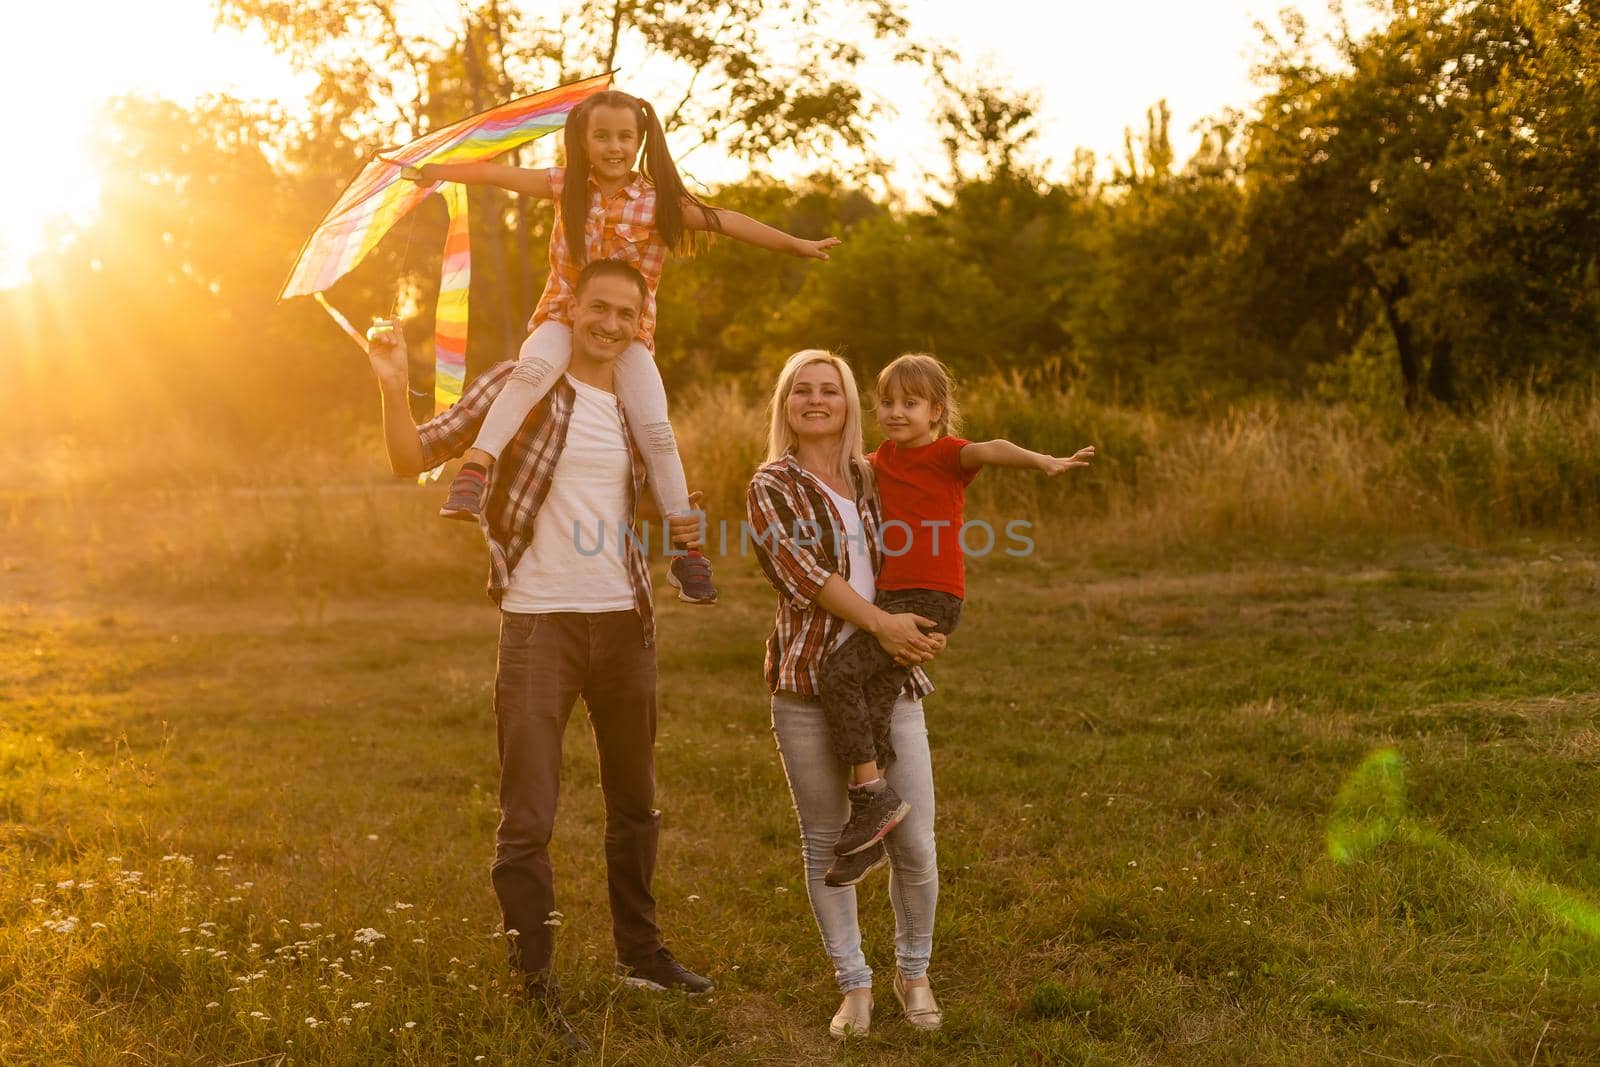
516 179
744 228
386 348
1001 453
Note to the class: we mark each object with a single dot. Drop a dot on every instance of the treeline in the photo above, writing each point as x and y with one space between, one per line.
1411 221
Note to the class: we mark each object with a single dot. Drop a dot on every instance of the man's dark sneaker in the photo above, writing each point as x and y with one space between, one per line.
545 1000
872 816
854 868
466 494
662 972
690 575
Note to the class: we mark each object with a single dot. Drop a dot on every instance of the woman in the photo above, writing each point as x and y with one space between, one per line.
816 519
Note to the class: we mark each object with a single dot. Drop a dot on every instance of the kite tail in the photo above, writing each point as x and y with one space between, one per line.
450 314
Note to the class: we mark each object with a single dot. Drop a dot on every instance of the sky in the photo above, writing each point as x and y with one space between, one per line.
1096 68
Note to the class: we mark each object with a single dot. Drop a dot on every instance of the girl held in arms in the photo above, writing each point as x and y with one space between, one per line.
922 473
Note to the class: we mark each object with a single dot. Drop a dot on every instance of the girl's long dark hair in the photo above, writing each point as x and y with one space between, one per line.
658 169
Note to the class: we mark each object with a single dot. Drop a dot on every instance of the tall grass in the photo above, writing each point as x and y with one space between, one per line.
1275 468
212 514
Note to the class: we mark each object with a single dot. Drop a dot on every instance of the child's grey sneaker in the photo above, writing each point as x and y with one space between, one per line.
854 868
872 816
466 496
690 575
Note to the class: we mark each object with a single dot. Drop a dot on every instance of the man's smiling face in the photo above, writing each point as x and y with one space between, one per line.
606 316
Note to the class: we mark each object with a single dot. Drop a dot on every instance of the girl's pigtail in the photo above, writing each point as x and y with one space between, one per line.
670 192
575 181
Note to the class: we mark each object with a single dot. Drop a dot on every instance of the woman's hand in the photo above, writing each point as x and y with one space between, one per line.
938 639
901 636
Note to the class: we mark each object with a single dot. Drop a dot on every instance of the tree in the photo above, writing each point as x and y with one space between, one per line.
707 65
1440 173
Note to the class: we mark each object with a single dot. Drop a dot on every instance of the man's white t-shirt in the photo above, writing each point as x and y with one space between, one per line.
862 580
576 561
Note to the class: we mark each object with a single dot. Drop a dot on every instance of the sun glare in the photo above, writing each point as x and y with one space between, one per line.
65 191
49 97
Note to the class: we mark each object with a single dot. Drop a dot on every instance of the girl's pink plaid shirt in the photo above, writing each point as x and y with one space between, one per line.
621 226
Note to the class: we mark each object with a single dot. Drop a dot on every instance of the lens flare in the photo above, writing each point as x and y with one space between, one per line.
1370 810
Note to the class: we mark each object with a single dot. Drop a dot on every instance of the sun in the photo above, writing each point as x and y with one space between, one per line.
45 112
62 187
50 94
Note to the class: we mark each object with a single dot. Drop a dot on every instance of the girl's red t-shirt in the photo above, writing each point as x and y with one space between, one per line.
924 493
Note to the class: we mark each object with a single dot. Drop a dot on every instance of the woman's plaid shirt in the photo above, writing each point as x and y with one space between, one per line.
787 510
621 226
521 477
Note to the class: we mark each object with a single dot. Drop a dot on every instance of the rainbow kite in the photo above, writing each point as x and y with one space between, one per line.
378 197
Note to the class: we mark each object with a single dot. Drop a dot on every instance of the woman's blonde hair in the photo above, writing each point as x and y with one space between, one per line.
921 375
781 438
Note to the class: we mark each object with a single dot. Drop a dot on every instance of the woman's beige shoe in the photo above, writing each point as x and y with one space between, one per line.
922 1011
854 1017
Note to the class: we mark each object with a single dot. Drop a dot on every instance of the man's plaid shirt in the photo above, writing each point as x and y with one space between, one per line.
520 479
788 511
622 227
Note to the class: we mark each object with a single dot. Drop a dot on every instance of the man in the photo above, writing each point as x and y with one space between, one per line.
574 622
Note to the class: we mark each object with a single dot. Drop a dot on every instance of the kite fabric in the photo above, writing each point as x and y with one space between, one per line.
378 197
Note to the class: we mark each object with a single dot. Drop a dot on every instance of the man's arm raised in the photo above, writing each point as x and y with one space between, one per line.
386 349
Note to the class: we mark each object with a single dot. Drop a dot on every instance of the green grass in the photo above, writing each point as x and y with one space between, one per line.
276 709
